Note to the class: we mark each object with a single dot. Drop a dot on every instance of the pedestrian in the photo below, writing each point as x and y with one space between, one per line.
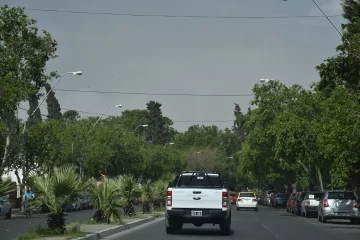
27 208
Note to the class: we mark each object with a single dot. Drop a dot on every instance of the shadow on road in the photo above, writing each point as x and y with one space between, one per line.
203 232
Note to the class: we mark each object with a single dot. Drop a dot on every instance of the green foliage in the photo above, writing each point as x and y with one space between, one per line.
55 189
6 187
105 198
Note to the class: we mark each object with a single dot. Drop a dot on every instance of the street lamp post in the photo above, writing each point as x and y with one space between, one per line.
144 125
117 105
100 117
32 113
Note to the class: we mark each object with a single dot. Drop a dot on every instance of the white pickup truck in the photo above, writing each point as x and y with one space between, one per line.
197 198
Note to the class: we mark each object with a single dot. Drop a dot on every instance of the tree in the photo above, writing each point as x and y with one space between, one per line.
71 116
53 190
53 106
157 132
34 118
344 69
23 57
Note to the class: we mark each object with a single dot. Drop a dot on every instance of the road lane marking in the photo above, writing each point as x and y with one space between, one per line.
270 231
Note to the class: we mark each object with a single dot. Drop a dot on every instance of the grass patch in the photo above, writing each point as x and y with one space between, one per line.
72 231
91 222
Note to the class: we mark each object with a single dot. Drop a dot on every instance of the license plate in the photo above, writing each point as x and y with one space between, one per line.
196 213
342 214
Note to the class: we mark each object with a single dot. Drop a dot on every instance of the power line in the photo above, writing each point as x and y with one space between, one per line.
94 113
176 16
156 94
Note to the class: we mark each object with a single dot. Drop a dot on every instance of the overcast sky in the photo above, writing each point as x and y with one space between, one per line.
182 55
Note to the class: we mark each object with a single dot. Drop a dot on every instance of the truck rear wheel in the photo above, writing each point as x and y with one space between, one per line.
170 230
225 226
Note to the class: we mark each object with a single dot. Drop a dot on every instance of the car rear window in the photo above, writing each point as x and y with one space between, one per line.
247 195
315 195
341 195
200 180
284 195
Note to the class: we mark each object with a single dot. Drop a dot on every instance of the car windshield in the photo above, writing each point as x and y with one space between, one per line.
247 195
341 195
200 180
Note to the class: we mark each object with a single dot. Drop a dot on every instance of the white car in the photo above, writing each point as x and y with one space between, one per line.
197 198
247 200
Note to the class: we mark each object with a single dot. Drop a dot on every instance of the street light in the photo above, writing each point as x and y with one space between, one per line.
170 143
81 160
117 106
67 73
144 125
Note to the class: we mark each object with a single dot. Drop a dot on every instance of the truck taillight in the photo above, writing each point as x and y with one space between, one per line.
308 202
357 205
254 200
239 199
326 203
169 198
224 199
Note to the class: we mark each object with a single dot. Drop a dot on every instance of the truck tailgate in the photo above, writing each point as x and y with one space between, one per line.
195 198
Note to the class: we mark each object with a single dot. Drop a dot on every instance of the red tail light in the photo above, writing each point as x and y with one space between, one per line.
326 203
308 202
357 204
225 199
239 199
254 200
169 198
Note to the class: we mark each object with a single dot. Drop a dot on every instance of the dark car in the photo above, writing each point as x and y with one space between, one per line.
280 199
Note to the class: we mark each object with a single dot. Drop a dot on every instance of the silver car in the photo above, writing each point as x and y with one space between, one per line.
339 205
5 207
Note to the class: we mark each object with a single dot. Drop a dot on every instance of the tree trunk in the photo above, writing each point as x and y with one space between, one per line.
6 152
320 178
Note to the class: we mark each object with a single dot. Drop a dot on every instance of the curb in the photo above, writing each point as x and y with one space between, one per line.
114 230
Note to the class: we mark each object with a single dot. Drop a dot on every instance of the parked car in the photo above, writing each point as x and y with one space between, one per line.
5 207
290 201
296 205
233 197
310 203
280 199
339 205
267 194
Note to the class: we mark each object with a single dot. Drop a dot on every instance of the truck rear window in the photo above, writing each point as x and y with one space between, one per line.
205 180
341 195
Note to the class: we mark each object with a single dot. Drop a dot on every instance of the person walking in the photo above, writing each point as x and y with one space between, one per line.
28 196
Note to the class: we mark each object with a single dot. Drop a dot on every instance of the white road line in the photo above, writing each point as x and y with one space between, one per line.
270 231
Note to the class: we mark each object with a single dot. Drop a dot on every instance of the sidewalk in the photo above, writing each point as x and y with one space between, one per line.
100 231
16 212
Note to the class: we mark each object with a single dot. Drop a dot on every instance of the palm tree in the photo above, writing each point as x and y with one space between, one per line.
147 196
129 190
53 190
105 198
160 188
6 187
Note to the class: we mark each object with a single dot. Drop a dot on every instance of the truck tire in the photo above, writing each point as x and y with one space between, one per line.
170 230
225 226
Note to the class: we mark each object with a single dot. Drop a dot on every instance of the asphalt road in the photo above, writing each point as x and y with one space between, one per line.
268 223
11 228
